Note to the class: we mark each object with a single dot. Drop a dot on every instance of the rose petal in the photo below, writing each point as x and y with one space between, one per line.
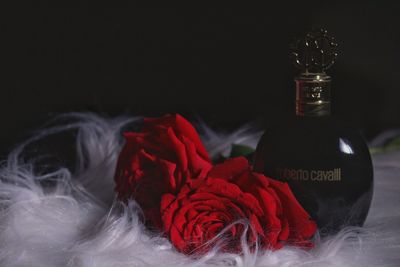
178 148
177 239
199 166
230 168
168 173
284 234
168 208
272 222
181 126
299 220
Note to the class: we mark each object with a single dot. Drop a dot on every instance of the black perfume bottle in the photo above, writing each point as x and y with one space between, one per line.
326 164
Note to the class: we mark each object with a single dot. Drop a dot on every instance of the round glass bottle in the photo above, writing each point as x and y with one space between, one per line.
326 164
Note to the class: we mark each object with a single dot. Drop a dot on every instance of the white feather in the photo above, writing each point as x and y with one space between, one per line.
76 222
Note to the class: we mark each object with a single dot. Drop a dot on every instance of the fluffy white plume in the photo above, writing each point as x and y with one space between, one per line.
70 218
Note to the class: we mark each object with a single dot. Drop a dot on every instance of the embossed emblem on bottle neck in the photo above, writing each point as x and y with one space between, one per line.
313 55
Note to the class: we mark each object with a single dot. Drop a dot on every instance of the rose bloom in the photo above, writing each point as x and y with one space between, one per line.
160 159
203 208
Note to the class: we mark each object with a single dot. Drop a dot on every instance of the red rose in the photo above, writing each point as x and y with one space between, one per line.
281 209
231 192
160 159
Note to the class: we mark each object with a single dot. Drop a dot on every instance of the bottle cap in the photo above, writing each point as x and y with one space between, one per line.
313 55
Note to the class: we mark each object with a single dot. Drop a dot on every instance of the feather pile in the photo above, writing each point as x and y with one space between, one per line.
68 216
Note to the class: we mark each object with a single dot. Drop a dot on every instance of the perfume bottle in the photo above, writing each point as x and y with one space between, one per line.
326 164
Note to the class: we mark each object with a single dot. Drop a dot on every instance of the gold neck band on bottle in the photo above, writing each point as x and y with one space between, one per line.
313 93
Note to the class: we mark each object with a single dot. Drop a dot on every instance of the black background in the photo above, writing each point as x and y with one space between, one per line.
229 66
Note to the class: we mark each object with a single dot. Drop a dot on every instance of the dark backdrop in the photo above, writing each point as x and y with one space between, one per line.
229 66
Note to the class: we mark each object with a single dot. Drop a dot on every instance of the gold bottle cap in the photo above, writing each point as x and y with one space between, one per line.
313 55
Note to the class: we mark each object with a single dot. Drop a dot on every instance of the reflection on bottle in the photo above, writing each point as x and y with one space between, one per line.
345 147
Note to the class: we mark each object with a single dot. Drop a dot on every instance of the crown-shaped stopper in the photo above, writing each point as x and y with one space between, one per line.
314 53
